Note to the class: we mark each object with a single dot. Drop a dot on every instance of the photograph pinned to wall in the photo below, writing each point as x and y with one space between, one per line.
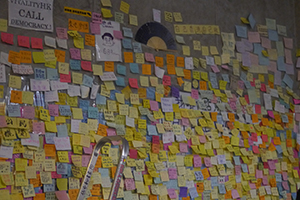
108 48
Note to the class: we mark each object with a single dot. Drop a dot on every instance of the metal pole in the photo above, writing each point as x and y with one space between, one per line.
118 176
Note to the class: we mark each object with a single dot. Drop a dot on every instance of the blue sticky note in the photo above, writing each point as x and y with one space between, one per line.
87 81
244 167
284 118
62 168
157 180
151 129
49 187
62 130
52 74
257 48
222 189
171 184
113 94
150 93
134 68
281 64
104 172
127 32
278 149
14 110
263 60
100 99
64 110
199 175
84 104
126 43
251 21
193 192
237 160
226 78
214 181
85 116
120 81
241 31
220 119
93 112
75 65
121 69
39 73
137 47
50 137
273 35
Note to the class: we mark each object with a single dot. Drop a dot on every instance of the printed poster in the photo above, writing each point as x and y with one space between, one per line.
34 14
108 48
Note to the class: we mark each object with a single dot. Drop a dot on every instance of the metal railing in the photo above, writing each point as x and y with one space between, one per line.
118 176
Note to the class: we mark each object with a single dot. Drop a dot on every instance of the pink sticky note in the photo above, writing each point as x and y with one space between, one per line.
253 37
65 78
284 176
202 139
271 114
149 57
88 150
259 174
172 194
167 80
154 105
86 65
172 173
235 194
195 94
133 153
257 109
118 34
133 82
255 149
288 56
75 53
197 161
55 175
38 128
96 18
3 122
85 159
207 162
95 28
111 132
36 43
185 122
215 69
62 195
297 117
288 43
237 169
285 185
61 33
296 101
225 67
116 142
23 41
265 180
53 110
183 147
7 38
28 112
129 184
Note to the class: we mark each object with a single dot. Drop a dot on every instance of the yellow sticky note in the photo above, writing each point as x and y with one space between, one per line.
27 97
197 45
186 50
86 54
124 7
3 25
63 156
78 42
213 50
177 16
62 183
63 68
38 57
15 82
245 20
106 3
77 113
97 69
120 98
49 54
106 13
77 78
51 126
133 20
205 51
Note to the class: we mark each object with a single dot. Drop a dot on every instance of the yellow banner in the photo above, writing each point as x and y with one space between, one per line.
191 29
76 11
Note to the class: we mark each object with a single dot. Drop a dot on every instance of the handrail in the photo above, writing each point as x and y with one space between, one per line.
118 176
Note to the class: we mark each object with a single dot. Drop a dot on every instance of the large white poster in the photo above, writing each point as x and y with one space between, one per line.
32 14
108 48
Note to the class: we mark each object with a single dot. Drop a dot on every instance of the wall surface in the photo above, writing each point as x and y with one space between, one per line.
223 127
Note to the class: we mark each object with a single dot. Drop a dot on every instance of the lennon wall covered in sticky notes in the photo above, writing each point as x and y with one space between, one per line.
214 115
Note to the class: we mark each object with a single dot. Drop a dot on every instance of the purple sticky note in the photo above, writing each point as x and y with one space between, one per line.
175 92
183 192
75 53
85 159
197 161
88 150
154 105
207 162
172 173
95 28
195 94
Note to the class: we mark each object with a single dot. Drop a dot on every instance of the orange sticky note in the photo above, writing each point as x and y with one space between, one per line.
128 57
142 93
109 66
254 118
146 69
180 61
180 81
113 171
14 57
272 147
170 59
289 143
50 150
73 193
187 74
81 26
99 162
276 140
214 116
39 196
60 55
89 40
159 61
171 69
203 85
26 57
16 96
231 117
205 173
265 121
277 119
102 130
